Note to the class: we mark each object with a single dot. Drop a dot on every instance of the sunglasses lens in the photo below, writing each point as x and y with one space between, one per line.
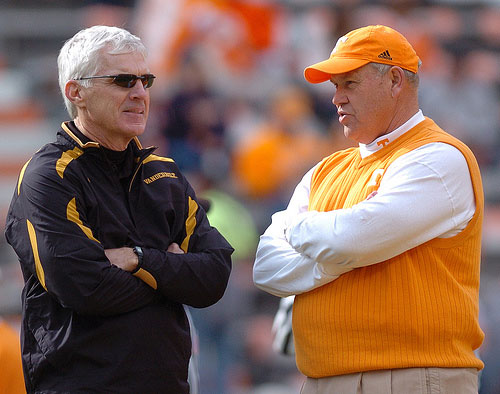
147 80
129 80
125 80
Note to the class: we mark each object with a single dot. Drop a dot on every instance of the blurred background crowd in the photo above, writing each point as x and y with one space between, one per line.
231 106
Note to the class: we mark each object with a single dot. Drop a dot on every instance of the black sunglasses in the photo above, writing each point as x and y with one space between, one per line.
126 80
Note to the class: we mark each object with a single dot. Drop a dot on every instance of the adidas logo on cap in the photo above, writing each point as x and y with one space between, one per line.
385 55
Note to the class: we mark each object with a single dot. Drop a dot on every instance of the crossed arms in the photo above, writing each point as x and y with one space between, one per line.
425 194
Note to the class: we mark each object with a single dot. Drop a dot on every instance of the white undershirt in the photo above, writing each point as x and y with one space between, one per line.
425 194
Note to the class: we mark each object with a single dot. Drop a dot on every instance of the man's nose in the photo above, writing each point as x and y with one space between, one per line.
138 90
339 98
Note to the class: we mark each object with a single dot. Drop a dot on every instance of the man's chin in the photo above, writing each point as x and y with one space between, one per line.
135 131
348 132
351 134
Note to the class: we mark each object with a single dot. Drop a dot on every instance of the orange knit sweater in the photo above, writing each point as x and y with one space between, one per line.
418 309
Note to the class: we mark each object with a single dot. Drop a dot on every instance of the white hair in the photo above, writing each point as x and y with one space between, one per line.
411 77
80 55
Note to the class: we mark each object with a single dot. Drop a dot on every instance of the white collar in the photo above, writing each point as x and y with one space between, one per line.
368 149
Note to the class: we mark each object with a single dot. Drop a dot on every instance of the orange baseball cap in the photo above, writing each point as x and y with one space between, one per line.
377 44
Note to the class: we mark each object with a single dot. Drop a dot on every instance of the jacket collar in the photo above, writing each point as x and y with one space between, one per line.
75 137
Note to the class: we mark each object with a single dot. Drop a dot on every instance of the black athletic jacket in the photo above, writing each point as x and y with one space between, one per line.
88 326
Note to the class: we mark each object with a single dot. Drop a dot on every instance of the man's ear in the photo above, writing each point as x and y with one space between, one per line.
73 92
397 80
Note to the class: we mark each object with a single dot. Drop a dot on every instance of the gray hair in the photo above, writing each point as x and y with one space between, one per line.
80 55
411 77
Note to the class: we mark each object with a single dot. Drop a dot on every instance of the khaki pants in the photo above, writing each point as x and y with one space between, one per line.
398 381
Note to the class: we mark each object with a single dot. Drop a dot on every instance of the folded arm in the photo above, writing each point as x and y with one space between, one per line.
424 194
280 269
197 277
49 231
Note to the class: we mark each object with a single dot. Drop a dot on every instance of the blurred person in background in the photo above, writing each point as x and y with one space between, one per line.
381 244
110 237
282 147
11 372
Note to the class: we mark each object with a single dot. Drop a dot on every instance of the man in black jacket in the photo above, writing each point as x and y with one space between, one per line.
111 239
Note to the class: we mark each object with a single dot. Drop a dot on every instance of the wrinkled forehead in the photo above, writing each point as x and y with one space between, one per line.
127 62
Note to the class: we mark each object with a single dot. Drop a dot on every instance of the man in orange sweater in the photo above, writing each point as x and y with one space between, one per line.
380 244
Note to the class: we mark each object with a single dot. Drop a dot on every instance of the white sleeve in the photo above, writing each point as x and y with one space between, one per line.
425 194
279 269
